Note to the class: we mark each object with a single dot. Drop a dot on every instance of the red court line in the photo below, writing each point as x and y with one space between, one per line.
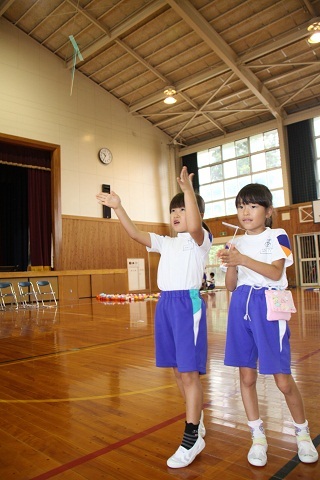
107 449
305 357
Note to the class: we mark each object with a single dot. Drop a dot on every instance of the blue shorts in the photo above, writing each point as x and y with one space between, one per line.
255 338
181 331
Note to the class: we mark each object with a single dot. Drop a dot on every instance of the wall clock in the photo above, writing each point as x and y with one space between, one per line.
105 156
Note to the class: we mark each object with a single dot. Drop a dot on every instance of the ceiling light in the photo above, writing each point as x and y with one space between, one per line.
169 92
314 29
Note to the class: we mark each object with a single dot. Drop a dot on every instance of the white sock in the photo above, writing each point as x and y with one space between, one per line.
301 428
256 427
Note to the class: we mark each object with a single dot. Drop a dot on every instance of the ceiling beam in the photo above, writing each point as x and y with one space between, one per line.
205 31
189 82
143 14
4 5
309 7
278 43
269 47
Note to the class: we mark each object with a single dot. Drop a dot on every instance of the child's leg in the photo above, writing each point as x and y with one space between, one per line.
179 382
288 387
248 380
192 443
257 455
193 396
306 450
201 429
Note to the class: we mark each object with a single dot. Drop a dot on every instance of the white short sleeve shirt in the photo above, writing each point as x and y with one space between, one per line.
182 260
268 246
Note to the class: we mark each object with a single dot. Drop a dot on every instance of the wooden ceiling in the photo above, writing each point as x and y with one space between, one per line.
233 63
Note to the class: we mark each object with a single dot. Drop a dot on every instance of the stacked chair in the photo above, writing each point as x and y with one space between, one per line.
45 288
7 292
28 295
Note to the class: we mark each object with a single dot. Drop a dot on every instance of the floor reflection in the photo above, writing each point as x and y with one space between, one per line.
27 321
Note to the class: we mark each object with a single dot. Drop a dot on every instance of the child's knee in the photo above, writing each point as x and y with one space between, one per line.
248 378
285 383
188 378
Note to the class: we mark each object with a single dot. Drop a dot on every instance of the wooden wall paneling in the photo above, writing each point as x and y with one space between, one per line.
84 286
68 243
87 241
68 287
132 248
101 243
97 285
80 241
102 284
121 283
112 250
153 259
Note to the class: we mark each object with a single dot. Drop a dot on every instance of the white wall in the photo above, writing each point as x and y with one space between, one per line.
35 103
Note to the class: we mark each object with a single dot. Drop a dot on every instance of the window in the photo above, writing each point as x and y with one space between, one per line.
225 169
316 126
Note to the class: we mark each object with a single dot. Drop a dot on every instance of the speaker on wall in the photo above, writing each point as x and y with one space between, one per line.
106 210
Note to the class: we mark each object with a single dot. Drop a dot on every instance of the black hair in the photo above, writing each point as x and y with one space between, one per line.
255 193
178 202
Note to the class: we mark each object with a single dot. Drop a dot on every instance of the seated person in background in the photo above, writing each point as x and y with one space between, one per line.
211 282
204 282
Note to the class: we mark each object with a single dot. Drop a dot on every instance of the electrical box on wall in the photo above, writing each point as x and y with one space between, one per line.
106 210
136 274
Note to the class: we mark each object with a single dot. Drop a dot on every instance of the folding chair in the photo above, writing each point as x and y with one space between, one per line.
27 292
45 288
7 291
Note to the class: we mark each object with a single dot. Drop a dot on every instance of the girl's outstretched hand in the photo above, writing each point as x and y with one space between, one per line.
111 199
185 180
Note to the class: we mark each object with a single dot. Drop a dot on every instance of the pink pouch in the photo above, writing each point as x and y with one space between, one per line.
279 304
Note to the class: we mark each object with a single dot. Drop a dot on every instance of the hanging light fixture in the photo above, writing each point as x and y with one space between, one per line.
169 92
314 29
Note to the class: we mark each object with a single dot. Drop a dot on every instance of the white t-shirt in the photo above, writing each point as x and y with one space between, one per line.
268 246
182 261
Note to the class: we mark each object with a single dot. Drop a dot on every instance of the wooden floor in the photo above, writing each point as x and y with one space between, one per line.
81 398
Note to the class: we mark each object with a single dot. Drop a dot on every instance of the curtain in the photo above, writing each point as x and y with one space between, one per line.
14 217
40 220
26 238
302 162
190 161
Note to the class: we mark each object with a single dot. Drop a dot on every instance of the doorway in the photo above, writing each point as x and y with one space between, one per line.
55 188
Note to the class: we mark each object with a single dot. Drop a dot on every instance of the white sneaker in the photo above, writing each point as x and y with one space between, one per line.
183 457
257 455
307 452
202 429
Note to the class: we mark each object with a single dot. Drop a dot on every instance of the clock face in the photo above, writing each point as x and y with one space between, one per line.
105 156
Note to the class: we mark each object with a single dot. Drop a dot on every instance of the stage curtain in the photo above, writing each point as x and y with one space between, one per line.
28 212
190 161
302 162
14 218
40 220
